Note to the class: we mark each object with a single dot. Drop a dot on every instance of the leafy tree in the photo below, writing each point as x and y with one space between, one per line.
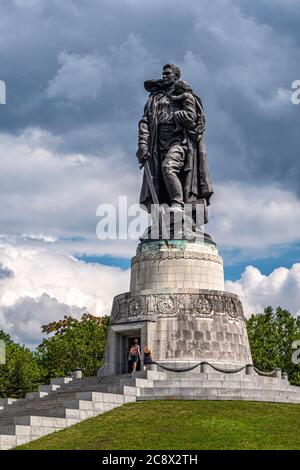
74 343
271 335
21 373
5 337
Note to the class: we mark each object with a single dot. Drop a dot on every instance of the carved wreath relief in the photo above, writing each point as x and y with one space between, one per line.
166 304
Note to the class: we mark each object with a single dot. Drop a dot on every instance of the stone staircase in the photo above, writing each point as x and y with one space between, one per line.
67 400
64 402
218 386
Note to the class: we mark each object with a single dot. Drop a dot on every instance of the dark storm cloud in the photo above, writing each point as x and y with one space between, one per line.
283 17
23 319
76 69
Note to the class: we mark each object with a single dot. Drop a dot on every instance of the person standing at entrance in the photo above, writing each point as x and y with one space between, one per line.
147 357
135 353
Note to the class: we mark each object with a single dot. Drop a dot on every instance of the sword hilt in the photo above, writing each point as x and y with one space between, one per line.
143 163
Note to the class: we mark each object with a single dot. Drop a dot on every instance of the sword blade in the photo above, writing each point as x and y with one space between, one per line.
150 183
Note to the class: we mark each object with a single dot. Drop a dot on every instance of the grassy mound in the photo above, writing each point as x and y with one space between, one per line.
183 425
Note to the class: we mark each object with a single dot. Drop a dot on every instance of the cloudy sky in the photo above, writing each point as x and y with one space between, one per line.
74 73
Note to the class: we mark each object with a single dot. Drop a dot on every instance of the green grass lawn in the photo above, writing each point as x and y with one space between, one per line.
182 425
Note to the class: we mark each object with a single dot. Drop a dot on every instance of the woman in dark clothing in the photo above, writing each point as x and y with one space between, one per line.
147 357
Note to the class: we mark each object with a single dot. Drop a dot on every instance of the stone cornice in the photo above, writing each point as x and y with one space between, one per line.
180 254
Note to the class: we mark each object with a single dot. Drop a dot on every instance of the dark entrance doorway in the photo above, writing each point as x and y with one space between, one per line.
130 340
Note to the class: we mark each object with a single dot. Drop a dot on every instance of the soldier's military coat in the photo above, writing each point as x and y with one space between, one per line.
168 122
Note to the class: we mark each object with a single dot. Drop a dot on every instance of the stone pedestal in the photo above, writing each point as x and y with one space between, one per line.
179 266
178 307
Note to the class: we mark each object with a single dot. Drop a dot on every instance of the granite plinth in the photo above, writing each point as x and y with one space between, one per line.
178 307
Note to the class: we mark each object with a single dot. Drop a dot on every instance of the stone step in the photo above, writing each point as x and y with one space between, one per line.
43 421
37 402
7 401
31 395
138 374
211 373
136 382
80 415
96 387
115 380
38 410
113 387
199 383
105 397
242 377
67 392
54 412
82 383
155 375
217 392
20 430
212 376
78 404
48 388
208 396
61 380
7 441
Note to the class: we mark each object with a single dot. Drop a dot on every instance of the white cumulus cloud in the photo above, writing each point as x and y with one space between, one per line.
257 291
41 286
254 217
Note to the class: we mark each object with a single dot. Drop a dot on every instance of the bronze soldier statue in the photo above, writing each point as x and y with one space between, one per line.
171 139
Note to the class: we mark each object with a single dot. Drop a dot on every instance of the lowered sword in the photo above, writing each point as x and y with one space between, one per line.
158 209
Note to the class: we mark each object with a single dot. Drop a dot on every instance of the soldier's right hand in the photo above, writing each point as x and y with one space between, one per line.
142 154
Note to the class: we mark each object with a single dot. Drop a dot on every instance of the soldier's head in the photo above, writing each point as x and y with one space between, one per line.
171 73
